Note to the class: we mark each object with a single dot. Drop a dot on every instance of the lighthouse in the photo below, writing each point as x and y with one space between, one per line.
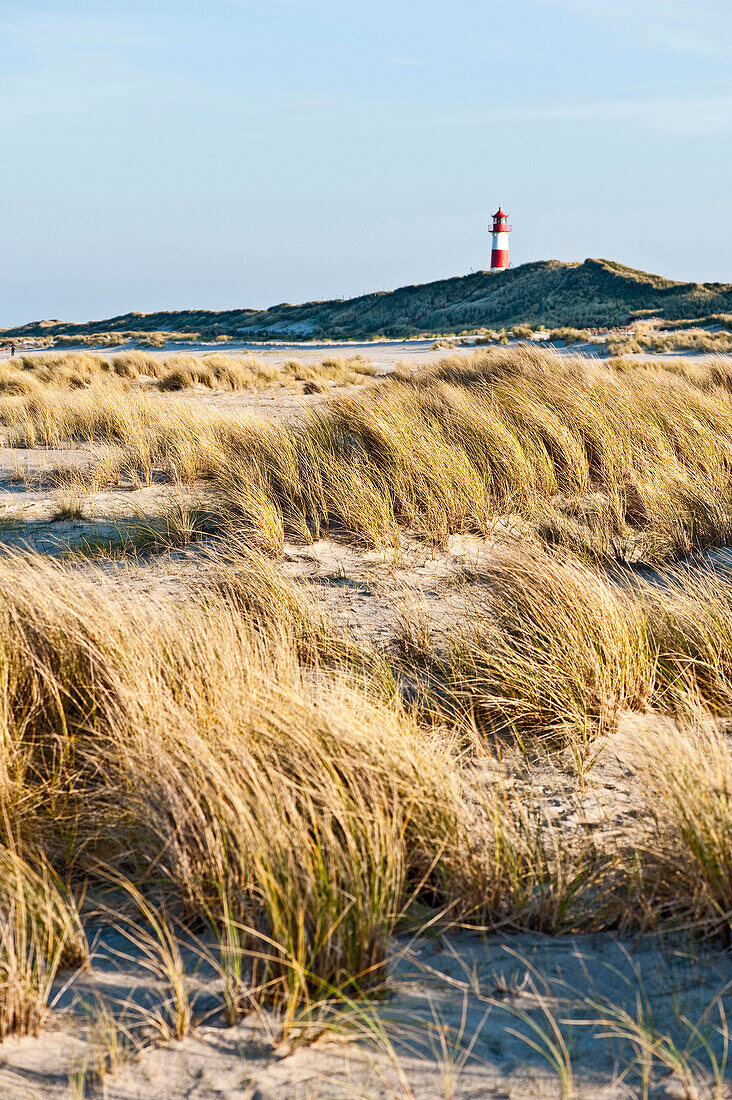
499 250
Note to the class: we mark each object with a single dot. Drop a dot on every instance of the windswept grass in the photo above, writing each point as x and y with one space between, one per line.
239 760
612 461
77 370
569 336
247 767
687 857
133 434
699 340
226 372
40 932
186 746
548 649
232 754
554 654
335 370
36 374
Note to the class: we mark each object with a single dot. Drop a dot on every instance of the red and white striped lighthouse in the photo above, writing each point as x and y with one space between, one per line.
499 250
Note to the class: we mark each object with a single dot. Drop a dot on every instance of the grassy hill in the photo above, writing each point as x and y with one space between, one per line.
593 293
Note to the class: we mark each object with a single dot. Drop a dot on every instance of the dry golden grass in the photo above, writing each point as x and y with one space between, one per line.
686 857
645 340
75 370
335 370
548 649
187 746
569 336
40 932
612 461
226 372
230 753
234 755
32 374
554 654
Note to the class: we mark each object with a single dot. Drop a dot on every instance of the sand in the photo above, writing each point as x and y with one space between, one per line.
458 1023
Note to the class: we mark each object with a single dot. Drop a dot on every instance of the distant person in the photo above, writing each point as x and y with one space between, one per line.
12 350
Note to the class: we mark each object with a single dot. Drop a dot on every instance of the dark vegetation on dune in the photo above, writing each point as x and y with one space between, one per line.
594 293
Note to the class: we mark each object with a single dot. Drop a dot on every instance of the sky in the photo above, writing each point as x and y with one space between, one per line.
175 154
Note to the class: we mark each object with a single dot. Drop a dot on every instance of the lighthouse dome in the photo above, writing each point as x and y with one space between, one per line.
499 213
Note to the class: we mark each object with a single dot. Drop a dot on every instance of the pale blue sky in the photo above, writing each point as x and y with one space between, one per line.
179 153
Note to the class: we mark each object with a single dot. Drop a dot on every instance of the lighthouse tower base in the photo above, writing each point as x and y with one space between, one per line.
499 252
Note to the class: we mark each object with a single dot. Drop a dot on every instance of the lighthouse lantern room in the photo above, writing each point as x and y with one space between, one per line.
499 249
